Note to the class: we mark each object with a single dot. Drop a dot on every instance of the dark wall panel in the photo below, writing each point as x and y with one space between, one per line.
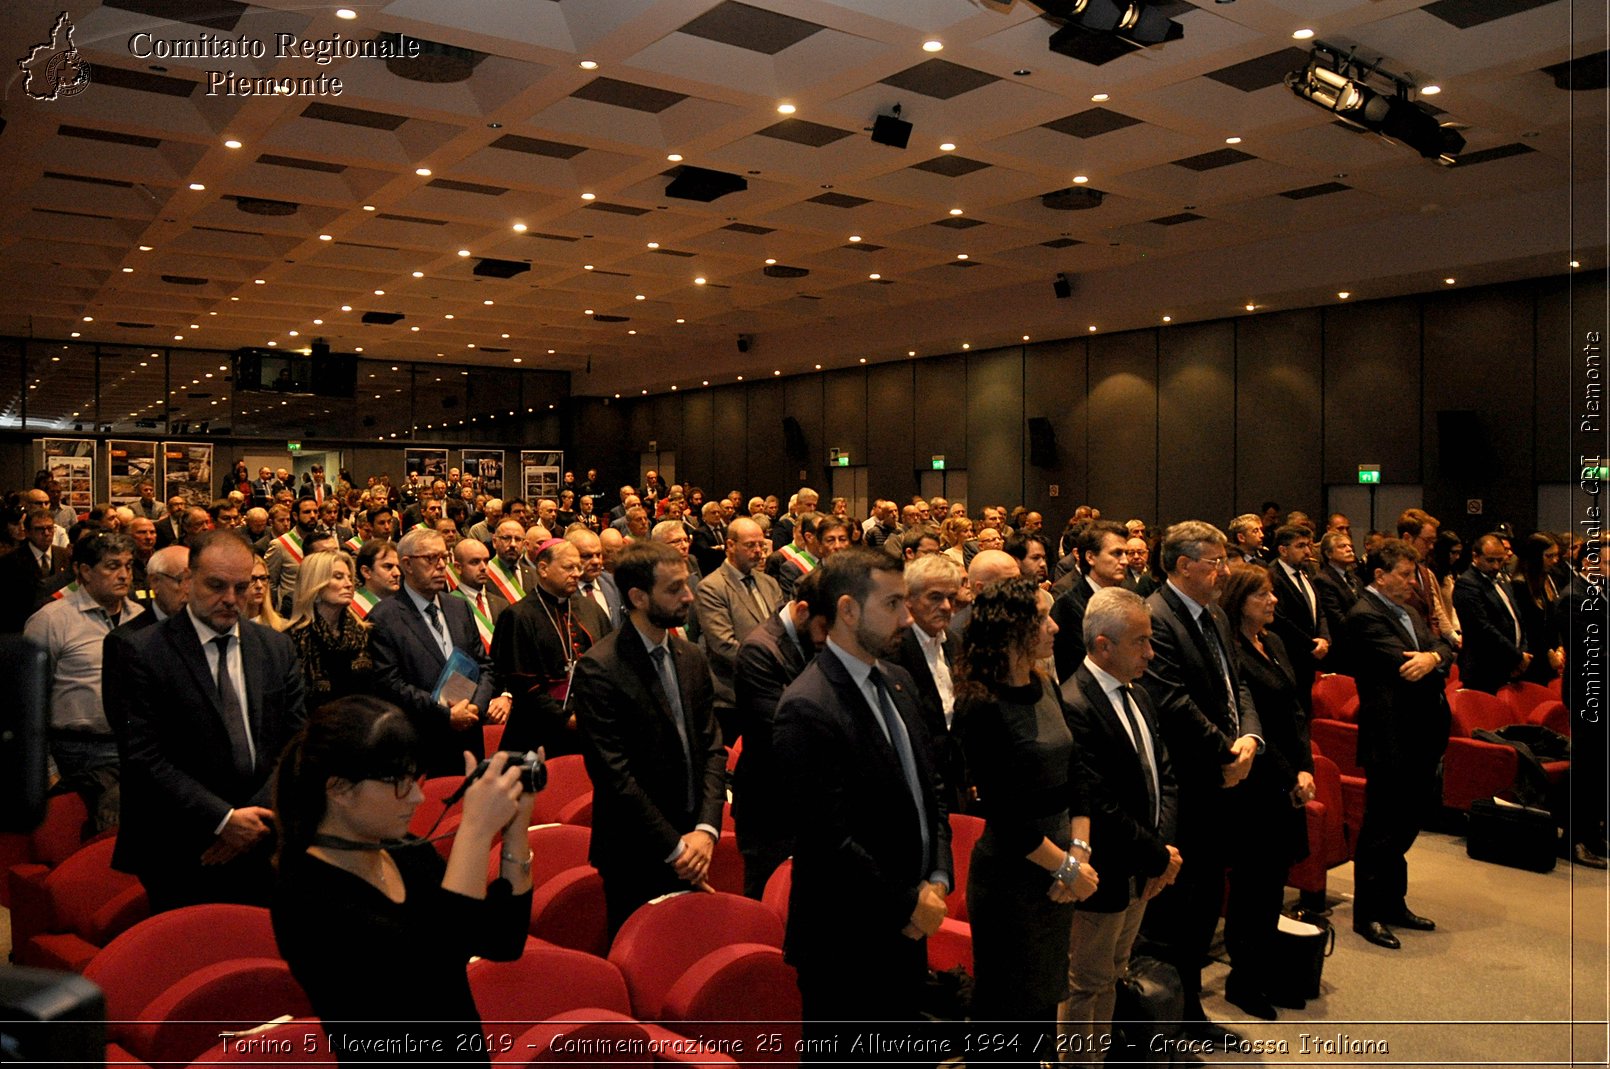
845 414
769 469
640 431
1557 349
1195 421
1278 441
1476 343
889 457
1372 390
602 428
1123 424
802 399
995 427
941 420
730 433
1054 388
693 457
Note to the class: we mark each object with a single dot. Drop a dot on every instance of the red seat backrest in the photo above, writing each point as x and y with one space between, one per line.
160 951
965 831
659 942
543 981
1523 697
1473 709
1335 698
81 886
61 833
567 781
778 885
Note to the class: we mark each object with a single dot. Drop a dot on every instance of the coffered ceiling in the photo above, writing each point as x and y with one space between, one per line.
560 172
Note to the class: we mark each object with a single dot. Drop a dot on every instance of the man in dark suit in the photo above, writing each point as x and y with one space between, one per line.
411 637
1339 586
872 863
211 702
535 646
710 538
1212 733
170 529
1494 650
928 652
27 571
643 705
734 600
1401 669
595 584
168 572
1299 616
771 657
1103 554
1133 808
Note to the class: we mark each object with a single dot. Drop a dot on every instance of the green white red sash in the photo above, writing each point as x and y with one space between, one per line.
799 558
452 581
362 602
507 582
291 542
353 544
70 588
483 622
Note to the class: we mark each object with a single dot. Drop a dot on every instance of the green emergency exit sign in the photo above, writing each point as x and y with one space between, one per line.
1369 474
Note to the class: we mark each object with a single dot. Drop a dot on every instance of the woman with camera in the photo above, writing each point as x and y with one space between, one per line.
376 926
1029 866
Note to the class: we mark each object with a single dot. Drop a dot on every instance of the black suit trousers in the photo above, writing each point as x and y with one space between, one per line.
1398 797
882 989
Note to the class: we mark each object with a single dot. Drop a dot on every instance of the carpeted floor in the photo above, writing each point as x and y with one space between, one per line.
1515 973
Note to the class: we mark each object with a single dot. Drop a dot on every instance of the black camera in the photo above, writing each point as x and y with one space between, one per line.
533 770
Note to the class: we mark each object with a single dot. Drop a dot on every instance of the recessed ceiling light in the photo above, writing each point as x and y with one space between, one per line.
380 293
586 267
1303 34
1449 281
519 228
777 372
863 360
505 336
740 378
961 256
948 146
326 237
344 307
272 344
874 276
197 186
463 252
675 157
704 382
967 345
653 244
294 334
1344 294
772 259
1022 72
414 329
449 315
1092 328
586 311
1251 307
128 270
639 297
955 211
818 367
145 248
786 109
588 64
517 360
231 143
855 237
1025 337
550 353
679 321
1576 263
357 349
260 281
1232 141
588 196
1101 98
1080 179
933 46
1168 319
423 172
368 207
419 274
699 281
316 322
1430 90
345 13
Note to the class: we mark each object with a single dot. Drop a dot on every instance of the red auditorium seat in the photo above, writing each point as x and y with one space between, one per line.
726 863
733 753
1475 769
144 962
300 1041
778 885
567 781
436 791
567 904
1523 697
180 1024
1334 725
1552 715
491 738
578 811
952 945
1328 842
61 917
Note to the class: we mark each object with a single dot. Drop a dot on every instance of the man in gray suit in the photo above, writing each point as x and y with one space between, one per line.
732 601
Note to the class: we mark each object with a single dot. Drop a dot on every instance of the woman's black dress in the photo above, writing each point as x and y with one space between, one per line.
378 970
1020 752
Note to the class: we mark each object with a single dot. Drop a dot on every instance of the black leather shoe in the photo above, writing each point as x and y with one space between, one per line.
1221 1037
1248 998
1582 855
1379 934
1414 922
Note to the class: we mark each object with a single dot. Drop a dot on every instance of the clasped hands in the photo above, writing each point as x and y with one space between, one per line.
930 911
1245 749
693 863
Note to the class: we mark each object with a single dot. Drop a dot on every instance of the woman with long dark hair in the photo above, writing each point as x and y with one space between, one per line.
377 928
1538 606
1269 804
1029 867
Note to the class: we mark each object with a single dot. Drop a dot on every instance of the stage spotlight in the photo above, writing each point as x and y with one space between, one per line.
1340 84
1098 31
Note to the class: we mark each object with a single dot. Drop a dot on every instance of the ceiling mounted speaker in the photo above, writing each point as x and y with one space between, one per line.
703 184
264 206
891 130
491 268
784 271
1072 199
435 64
383 318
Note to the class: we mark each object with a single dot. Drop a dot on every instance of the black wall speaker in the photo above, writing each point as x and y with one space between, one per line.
1462 448
1042 443
891 130
794 440
1061 286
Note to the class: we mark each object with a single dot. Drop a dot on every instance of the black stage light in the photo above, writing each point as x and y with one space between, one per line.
1339 84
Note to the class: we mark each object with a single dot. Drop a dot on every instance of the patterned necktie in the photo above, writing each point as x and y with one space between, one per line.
435 615
240 745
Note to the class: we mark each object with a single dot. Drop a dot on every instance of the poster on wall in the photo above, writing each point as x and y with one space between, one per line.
486 467
540 471
428 464
187 472
71 462
128 464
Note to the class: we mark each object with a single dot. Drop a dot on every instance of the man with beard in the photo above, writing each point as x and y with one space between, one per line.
872 862
504 572
644 706
285 552
535 646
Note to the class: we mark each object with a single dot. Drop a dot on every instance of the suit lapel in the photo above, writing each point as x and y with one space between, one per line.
422 628
1204 656
630 646
182 635
1106 715
864 714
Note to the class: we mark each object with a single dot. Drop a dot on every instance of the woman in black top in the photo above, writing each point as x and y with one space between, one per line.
1268 806
376 927
1538 605
331 641
1029 866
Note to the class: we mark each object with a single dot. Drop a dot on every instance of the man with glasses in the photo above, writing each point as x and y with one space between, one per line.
30 570
211 701
535 647
168 573
1212 734
412 637
71 630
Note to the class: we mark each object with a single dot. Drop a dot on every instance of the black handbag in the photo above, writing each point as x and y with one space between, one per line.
1150 1005
1302 943
1521 837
